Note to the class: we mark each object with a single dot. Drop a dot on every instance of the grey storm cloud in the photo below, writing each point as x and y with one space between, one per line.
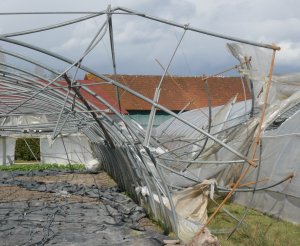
139 42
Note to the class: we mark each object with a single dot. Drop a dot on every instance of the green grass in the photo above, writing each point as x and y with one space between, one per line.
33 167
260 229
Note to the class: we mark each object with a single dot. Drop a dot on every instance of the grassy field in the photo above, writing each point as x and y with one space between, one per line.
259 229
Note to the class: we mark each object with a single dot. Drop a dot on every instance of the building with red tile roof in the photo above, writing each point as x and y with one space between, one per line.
176 91
94 102
98 89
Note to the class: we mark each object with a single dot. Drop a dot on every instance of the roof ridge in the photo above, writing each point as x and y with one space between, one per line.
177 76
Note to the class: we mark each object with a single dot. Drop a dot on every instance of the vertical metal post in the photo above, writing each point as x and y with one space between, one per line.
28 146
157 93
151 119
87 105
112 48
166 188
247 64
256 143
4 150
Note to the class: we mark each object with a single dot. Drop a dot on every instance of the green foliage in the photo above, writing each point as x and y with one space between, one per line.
40 167
24 153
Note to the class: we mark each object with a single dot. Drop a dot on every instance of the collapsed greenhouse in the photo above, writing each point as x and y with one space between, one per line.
246 149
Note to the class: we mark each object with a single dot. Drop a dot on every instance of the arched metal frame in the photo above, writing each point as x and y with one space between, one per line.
126 153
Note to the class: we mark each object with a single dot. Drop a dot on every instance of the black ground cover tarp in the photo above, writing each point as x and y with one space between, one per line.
106 217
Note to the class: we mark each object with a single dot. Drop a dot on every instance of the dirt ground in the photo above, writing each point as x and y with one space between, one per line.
101 179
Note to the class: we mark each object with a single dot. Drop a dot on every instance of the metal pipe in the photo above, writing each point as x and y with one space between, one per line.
30 150
157 93
134 93
66 70
194 29
113 56
79 95
256 142
202 162
223 189
46 28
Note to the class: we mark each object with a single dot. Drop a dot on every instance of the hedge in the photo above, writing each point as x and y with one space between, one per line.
23 152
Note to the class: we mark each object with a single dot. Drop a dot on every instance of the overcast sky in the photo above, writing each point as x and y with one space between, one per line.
139 42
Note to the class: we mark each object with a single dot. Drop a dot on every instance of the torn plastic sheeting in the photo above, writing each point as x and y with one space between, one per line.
239 138
24 120
7 150
175 129
280 155
279 108
286 85
190 205
259 66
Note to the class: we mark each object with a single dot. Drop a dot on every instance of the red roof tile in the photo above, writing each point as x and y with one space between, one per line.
91 99
176 91
102 93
